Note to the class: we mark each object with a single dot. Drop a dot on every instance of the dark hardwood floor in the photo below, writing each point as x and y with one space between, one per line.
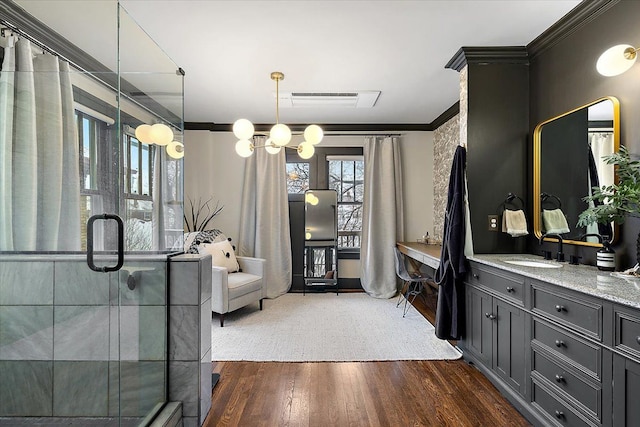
395 394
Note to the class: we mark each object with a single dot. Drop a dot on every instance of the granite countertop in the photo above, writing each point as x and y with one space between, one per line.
582 278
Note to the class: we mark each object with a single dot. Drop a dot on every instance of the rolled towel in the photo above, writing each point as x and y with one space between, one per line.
554 221
514 223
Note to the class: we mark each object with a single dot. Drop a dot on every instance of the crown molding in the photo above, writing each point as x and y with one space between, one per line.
583 13
450 113
489 55
331 127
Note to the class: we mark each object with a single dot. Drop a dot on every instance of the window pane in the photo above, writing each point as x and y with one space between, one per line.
134 175
145 173
138 225
297 177
348 171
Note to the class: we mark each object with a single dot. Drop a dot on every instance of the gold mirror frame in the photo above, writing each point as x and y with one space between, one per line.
537 205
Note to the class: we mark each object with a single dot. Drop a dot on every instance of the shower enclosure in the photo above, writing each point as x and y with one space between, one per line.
89 214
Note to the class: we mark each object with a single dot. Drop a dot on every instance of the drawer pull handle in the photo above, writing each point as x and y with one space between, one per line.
490 316
638 339
560 308
559 415
509 289
476 276
559 378
560 343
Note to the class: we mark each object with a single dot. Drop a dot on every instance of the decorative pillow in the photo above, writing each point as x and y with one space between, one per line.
222 255
194 239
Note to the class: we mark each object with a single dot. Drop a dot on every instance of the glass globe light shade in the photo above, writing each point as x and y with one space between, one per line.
280 134
244 148
175 150
308 197
143 134
616 60
243 129
271 147
313 134
306 150
161 134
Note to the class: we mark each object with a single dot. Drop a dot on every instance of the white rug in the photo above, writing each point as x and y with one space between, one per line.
350 327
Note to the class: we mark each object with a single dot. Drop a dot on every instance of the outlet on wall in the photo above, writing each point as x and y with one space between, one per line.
493 223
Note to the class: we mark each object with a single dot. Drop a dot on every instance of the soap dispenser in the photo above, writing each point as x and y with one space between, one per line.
606 257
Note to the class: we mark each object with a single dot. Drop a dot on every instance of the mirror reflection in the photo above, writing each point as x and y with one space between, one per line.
568 162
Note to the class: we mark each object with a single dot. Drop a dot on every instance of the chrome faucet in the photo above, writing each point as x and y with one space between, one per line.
560 255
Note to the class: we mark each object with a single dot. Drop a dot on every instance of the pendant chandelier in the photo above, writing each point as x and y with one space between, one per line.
279 136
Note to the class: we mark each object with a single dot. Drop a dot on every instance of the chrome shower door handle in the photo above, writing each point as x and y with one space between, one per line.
120 224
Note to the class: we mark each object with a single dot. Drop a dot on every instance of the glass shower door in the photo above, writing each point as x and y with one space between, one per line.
79 345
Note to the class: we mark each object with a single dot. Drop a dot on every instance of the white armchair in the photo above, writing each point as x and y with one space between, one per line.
231 291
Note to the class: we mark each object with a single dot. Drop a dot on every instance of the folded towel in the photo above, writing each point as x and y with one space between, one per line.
514 223
554 221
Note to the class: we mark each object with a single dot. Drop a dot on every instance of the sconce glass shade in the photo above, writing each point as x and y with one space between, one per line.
306 150
243 129
143 134
175 150
161 134
280 134
244 148
616 60
271 147
313 134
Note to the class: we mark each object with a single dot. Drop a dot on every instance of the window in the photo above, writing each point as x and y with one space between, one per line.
91 132
346 176
297 177
137 163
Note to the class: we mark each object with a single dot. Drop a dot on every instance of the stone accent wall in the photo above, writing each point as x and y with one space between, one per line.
446 139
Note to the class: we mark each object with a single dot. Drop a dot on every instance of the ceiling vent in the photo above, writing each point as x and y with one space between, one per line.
362 99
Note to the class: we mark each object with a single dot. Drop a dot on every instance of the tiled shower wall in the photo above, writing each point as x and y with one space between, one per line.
77 343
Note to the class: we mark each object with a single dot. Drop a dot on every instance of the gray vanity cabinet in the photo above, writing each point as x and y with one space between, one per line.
626 368
495 325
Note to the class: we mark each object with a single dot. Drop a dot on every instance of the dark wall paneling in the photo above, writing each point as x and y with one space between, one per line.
564 77
496 147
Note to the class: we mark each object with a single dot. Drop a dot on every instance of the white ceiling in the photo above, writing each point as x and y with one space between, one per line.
229 48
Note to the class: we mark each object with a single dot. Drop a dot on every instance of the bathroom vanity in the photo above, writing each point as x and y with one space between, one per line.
562 342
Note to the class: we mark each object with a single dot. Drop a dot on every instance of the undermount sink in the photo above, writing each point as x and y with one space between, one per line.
530 263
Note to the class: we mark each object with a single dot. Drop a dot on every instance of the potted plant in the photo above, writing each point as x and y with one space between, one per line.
613 203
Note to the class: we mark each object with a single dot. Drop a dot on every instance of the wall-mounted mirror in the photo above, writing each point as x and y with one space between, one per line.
568 153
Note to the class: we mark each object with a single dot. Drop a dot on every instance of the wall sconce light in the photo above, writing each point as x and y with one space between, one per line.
160 134
616 60
279 136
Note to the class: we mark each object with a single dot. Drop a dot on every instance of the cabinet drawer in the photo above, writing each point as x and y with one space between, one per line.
583 355
580 314
508 286
555 408
564 381
627 337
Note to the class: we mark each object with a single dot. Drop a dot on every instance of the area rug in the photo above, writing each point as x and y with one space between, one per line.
350 327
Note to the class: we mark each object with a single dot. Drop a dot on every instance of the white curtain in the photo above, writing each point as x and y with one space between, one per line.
601 144
264 217
39 170
383 215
